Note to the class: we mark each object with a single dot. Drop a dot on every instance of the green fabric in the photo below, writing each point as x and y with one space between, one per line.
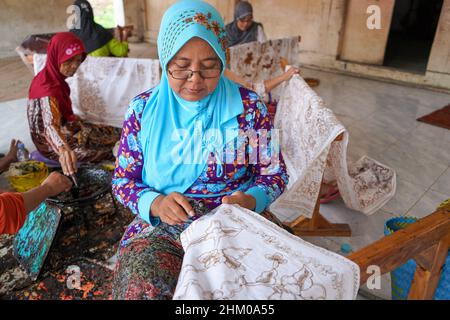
113 48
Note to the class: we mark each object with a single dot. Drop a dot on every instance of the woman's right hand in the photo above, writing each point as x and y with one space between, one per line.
56 183
172 209
68 160
290 73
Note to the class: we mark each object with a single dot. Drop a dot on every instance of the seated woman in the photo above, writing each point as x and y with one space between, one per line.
243 29
98 41
57 133
177 152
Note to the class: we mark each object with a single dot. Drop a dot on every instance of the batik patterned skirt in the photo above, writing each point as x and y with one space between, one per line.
90 142
150 259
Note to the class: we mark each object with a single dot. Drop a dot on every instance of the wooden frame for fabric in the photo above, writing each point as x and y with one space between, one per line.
318 225
427 242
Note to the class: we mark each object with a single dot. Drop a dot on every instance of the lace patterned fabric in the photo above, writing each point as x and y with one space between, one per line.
103 87
308 133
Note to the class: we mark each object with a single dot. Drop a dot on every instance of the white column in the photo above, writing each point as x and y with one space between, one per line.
119 12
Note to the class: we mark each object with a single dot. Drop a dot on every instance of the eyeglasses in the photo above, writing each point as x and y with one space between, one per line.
187 74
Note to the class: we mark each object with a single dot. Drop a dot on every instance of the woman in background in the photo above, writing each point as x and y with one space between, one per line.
57 132
243 29
98 41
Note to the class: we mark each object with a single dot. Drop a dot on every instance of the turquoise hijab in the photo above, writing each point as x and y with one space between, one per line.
178 136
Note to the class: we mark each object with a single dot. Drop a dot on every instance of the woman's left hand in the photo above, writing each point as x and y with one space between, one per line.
118 32
242 199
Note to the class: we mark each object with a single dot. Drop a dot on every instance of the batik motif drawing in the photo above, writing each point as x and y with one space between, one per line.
308 134
256 61
35 238
102 88
234 253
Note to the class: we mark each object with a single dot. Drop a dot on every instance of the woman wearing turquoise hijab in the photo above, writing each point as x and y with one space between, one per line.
188 145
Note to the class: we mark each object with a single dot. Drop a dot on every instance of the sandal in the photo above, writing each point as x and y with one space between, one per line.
312 82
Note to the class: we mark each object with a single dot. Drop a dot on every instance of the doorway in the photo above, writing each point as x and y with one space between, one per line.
413 28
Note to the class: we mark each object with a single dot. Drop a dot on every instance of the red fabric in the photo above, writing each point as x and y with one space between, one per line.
50 82
12 213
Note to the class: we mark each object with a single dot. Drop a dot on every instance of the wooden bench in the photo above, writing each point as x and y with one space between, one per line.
427 242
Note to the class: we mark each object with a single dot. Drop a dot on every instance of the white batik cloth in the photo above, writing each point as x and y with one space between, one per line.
256 61
307 130
233 253
102 88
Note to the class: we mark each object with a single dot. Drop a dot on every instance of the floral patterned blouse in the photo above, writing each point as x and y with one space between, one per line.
265 179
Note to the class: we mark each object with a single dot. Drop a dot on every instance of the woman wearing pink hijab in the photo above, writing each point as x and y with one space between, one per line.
56 131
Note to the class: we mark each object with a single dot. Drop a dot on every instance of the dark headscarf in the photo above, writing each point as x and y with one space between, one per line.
243 9
236 36
93 35
50 82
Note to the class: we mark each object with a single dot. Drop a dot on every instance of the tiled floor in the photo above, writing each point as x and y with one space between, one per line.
15 124
15 79
381 119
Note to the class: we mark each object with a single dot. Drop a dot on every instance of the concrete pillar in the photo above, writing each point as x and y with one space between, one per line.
135 15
